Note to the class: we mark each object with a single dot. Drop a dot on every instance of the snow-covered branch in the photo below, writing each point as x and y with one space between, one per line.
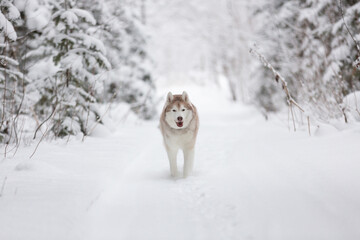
278 77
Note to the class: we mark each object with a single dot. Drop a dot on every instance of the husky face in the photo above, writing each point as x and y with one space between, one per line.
178 111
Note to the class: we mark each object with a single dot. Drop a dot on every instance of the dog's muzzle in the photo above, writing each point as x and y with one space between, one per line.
179 124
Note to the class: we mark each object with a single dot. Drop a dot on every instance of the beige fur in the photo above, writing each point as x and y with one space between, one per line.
179 134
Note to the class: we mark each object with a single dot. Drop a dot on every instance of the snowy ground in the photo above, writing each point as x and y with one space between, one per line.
253 180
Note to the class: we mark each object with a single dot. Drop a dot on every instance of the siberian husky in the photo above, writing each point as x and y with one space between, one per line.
179 124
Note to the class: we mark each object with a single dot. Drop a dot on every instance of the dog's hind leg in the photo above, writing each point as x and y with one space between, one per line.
172 153
188 161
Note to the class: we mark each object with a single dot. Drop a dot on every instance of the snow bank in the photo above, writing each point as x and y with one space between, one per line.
351 103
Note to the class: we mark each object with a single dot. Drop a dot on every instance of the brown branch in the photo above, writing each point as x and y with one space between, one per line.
278 77
356 63
38 144
347 28
3 186
290 101
47 119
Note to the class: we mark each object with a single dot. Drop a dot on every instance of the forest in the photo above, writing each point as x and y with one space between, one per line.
61 59
82 87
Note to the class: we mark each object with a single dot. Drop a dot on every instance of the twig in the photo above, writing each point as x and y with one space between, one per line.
278 77
4 96
99 120
37 145
47 119
19 110
357 61
21 134
8 142
347 28
3 186
292 115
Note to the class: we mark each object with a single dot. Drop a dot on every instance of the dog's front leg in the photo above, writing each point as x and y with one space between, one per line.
172 153
188 161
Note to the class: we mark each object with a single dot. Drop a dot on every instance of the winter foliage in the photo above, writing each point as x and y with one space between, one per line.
12 81
66 57
82 83
314 44
62 59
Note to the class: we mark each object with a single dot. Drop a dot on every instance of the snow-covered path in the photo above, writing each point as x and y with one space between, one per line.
253 180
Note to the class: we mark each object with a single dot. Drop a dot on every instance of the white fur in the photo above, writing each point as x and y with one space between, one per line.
171 117
169 97
179 138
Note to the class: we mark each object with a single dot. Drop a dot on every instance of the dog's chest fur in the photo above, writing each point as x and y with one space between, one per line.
183 138
176 137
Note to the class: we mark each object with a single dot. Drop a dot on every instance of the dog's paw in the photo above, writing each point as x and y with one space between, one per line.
175 174
186 174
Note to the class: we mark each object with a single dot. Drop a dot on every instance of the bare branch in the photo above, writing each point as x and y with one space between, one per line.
290 101
278 77
3 186
47 119
356 63
347 28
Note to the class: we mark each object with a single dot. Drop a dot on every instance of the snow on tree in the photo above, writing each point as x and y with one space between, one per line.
308 42
12 81
64 50
75 61
123 34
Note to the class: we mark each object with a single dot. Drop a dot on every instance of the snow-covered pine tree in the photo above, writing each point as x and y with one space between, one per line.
308 42
12 81
123 34
68 96
278 43
342 18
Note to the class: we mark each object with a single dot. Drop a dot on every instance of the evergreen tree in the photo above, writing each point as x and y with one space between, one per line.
307 41
123 34
79 58
12 81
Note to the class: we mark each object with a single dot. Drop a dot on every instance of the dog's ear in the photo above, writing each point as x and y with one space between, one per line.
169 97
185 96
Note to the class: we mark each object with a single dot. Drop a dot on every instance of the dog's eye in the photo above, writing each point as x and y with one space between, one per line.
174 110
183 110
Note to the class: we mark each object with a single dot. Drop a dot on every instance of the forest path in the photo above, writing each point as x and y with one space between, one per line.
253 180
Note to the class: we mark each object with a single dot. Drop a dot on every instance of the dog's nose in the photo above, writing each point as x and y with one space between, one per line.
180 118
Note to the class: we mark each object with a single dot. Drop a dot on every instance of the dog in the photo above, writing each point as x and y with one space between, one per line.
179 125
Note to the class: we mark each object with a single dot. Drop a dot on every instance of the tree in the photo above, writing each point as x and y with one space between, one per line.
308 42
12 81
123 34
69 93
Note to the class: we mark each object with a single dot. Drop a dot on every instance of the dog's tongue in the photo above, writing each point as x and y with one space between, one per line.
179 124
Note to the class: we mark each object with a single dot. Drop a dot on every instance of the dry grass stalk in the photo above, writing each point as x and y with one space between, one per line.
290 100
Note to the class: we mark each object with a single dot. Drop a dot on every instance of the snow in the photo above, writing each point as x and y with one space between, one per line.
352 105
13 12
70 18
38 17
9 60
85 15
90 42
7 27
253 179
42 69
